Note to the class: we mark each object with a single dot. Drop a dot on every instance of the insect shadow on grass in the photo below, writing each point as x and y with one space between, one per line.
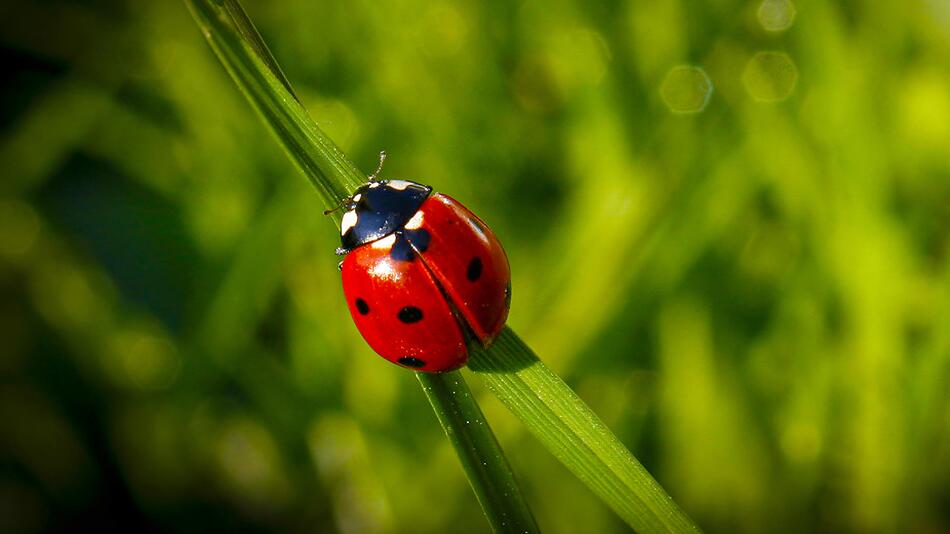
481 360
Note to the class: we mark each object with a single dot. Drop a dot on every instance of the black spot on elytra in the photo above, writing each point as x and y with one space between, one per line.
410 314
474 271
362 306
508 295
409 361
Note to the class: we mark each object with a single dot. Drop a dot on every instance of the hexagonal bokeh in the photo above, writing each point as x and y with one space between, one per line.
686 89
776 15
770 76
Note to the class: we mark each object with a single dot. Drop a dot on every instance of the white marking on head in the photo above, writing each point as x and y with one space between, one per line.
386 242
373 184
398 185
415 222
349 221
357 197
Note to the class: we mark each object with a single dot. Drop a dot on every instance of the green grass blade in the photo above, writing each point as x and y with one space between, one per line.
491 478
238 45
576 436
252 37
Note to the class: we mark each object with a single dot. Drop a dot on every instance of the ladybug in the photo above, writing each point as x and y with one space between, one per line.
422 274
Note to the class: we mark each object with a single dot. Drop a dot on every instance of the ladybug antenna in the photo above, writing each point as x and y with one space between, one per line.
372 178
343 203
379 168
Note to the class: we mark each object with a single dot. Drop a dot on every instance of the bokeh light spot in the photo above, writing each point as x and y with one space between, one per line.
686 89
923 102
71 297
445 31
251 465
219 214
570 61
776 15
336 119
144 358
535 86
770 76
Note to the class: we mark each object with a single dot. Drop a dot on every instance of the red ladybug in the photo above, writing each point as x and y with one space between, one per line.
422 274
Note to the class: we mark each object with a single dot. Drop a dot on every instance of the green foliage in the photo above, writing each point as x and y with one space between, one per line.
753 296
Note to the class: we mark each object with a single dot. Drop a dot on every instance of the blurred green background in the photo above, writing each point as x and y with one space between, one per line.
728 224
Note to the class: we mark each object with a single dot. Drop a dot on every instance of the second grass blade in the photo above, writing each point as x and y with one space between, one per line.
482 458
575 435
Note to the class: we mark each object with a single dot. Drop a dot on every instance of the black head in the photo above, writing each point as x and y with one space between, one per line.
378 209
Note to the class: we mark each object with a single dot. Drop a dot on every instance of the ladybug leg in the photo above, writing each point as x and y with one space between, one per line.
340 265
344 203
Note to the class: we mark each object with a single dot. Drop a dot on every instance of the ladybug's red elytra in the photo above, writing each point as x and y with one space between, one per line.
422 274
